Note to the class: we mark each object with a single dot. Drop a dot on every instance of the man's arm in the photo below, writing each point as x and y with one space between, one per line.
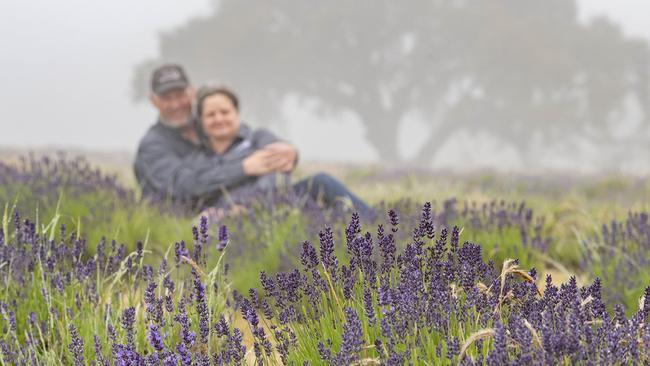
192 176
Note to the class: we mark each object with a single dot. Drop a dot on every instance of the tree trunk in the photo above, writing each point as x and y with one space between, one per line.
436 138
381 132
430 149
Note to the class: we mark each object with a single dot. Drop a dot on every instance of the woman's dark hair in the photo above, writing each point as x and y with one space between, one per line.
208 91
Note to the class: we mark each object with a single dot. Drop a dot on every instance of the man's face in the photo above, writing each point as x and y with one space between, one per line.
174 106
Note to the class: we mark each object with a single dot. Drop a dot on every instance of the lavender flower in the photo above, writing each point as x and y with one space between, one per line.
184 354
352 339
112 335
394 219
223 238
169 304
98 351
426 221
128 318
31 318
187 335
499 354
348 277
308 257
324 352
203 230
221 327
11 318
268 284
171 359
327 250
369 308
353 228
234 347
453 348
168 283
155 340
76 346
266 309
138 255
125 355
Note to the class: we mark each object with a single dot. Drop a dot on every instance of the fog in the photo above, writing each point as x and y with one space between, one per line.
73 75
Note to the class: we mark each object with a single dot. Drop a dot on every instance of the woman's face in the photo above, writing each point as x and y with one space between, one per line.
219 118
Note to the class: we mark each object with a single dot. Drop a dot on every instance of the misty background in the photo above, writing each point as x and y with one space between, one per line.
509 85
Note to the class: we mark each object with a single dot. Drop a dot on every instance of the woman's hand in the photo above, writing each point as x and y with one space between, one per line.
259 163
285 154
279 156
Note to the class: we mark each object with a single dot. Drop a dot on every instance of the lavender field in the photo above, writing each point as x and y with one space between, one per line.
470 270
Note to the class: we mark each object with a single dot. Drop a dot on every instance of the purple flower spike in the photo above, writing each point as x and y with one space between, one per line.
98 351
128 318
221 327
223 238
394 219
308 257
324 352
76 346
268 284
353 229
499 354
327 250
426 221
155 339
369 308
170 360
138 250
203 230
184 354
352 339
187 335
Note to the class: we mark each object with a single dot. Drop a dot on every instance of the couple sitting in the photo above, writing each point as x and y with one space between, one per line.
212 159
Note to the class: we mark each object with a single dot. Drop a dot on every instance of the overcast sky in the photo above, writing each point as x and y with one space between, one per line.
66 67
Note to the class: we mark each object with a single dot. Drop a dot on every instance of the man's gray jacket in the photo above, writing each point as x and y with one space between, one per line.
168 165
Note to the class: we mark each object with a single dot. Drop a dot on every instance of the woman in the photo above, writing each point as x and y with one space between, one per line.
255 159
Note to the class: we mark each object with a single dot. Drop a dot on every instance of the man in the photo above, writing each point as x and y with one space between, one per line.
170 161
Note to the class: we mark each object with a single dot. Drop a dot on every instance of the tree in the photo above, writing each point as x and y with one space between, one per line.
519 70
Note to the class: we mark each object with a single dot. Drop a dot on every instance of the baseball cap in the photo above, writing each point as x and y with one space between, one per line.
168 77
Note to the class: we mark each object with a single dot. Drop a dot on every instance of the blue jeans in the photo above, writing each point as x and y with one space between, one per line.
324 187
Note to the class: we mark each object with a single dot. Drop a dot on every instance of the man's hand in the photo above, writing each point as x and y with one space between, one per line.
286 155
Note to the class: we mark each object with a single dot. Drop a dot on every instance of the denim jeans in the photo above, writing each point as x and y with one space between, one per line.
320 187
324 187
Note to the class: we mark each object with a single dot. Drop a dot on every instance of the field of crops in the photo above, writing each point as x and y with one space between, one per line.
468 270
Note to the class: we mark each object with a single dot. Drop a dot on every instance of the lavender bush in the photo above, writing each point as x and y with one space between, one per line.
435 302
72 192
264 237
268 235
41 181
620 255
60 306
411 292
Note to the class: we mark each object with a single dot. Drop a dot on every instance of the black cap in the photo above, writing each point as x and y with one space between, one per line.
168 77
